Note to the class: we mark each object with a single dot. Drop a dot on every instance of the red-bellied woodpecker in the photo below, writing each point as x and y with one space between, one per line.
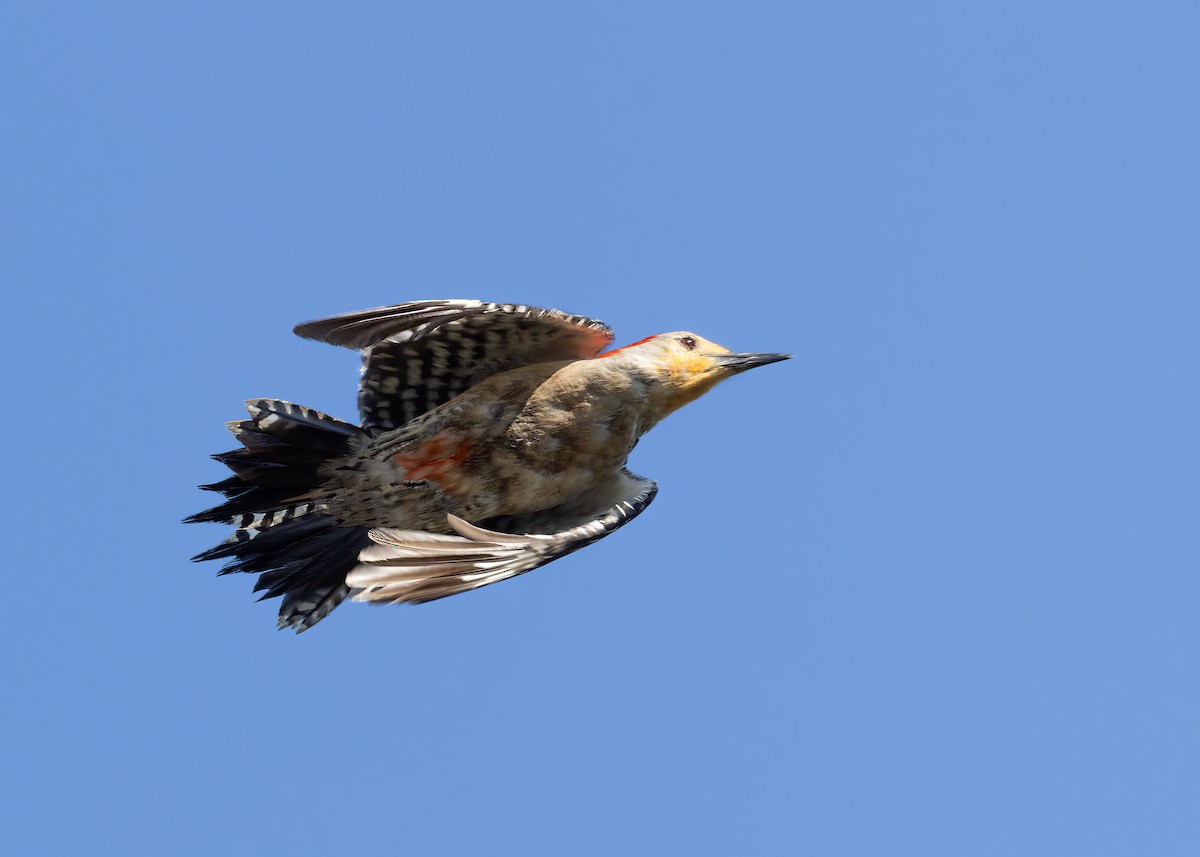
493 440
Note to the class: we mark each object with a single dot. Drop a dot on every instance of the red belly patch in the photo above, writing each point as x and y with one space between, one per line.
438 459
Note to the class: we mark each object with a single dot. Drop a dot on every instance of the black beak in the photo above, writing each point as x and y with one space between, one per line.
741 362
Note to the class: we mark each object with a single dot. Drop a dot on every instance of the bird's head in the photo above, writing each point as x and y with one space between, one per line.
686 366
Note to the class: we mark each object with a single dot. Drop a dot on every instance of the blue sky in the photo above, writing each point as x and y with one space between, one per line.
929 588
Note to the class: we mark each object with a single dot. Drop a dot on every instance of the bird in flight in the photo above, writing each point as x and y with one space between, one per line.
493 440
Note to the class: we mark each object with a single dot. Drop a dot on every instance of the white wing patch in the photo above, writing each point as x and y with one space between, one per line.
414 567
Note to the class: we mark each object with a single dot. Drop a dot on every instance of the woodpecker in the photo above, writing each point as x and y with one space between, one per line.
493 440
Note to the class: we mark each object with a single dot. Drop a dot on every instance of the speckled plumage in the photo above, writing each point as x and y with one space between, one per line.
494 439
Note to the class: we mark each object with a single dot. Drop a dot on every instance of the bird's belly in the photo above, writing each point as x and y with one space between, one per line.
558 459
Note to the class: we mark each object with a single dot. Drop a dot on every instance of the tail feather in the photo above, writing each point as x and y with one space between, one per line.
252 546
284 531
286 423
245 501
311 588
228 487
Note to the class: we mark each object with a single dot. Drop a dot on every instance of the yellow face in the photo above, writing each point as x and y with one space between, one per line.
687 366
690 362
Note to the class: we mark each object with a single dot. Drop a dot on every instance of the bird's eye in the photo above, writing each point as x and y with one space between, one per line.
688 342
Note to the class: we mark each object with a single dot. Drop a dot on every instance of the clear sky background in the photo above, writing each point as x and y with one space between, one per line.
928 589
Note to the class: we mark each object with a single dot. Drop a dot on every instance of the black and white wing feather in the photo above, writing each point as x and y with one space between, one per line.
406 566
419 355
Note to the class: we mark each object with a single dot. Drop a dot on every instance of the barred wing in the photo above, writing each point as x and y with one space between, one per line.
419 355
405 566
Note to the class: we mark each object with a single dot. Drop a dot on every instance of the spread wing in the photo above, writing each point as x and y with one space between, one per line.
419 355
413 567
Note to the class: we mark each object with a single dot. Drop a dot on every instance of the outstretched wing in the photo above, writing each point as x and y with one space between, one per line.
419 355
406 566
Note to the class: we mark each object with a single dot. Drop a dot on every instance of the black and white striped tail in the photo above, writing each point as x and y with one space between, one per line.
274 498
